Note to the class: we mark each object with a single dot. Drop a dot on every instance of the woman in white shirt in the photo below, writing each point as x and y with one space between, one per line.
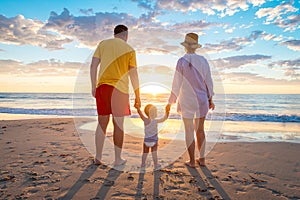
192 88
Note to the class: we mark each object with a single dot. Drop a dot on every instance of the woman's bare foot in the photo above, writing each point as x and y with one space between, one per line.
143 165
120 162
189 164
201 162
157 167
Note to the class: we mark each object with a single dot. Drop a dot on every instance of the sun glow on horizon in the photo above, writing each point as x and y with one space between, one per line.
153 89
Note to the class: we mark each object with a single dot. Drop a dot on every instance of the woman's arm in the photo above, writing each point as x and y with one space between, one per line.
177 83
210 87
209 81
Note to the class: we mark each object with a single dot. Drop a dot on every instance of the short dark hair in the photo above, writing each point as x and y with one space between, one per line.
120 28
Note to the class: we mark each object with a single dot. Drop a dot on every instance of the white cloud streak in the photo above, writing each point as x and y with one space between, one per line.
20 31
291 67
221 8
283 16
238 61
40 68
291 44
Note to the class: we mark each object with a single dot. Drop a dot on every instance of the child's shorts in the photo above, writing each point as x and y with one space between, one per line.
150 144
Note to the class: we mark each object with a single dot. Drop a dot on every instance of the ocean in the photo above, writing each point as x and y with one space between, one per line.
232 107
281 110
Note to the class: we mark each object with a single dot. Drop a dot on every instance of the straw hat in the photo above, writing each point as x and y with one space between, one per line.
191 40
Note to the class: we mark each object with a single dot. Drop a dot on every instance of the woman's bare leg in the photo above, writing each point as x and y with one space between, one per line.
201 141
189 140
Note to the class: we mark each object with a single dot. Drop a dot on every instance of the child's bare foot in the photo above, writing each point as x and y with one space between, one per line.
190 164
201 162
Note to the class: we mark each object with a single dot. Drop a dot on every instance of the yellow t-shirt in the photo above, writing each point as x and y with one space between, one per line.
115 58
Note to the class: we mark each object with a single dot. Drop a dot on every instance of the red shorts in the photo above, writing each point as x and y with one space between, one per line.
110 100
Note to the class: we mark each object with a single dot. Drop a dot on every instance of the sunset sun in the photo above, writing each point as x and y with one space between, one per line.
153 89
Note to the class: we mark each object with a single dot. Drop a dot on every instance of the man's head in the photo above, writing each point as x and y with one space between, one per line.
121 31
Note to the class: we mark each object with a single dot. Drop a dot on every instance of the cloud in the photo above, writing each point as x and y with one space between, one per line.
144 31
20 31
234 44
89 11
238 43
64 28
221 7
291 67
89 30
238 61
292 44
247 78
281 16
8 66
146 4
40 68
146 34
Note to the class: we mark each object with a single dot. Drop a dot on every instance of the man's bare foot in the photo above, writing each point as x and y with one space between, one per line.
189 164
201 162
97 162
119 162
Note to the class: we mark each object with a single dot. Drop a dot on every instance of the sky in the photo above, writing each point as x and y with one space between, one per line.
253 46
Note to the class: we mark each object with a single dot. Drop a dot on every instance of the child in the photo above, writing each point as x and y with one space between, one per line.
151 132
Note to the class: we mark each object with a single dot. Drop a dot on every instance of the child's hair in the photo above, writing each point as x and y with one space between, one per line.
147 109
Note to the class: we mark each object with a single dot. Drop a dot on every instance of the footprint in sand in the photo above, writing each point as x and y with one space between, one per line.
31 190
241 191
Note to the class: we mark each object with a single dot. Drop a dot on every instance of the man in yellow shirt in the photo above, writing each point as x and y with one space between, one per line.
117 61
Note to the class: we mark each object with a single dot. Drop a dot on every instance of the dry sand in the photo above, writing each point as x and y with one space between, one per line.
45 159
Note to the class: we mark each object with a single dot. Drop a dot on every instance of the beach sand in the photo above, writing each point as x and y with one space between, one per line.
45 159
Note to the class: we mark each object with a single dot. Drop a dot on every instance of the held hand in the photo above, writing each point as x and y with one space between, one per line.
137 103
137 106
168 107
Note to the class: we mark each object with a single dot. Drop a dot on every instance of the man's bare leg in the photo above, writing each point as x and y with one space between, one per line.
118 138
100 136
201 141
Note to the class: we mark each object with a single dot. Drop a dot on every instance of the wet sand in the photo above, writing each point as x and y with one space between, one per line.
45 159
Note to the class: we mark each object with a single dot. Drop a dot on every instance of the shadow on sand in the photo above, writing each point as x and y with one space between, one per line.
203 187
88 172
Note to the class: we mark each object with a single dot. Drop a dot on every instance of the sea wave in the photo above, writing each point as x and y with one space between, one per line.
213 116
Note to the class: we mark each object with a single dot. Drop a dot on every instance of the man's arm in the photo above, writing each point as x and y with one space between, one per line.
93 74
134 78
